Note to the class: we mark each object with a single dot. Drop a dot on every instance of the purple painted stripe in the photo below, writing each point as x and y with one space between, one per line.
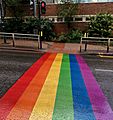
101 107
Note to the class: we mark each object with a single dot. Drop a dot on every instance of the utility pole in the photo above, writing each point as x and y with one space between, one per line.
33 7
2 17
1 12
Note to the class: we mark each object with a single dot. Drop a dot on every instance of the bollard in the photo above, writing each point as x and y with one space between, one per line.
13 40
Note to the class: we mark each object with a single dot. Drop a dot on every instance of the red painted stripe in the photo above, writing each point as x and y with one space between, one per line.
25 104
8 101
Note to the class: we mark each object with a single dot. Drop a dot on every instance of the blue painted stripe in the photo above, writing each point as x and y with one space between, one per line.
81 102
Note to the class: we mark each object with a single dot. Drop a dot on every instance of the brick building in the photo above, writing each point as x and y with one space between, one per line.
80 20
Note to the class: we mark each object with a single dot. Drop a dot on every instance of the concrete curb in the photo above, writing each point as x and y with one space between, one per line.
21 49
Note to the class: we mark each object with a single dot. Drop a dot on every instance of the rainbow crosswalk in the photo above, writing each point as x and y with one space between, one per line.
56 87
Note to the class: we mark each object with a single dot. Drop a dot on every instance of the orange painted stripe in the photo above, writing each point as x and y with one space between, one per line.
44 106
8 101
25 104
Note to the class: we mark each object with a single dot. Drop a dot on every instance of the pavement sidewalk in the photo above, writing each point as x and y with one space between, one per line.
74 48
53 47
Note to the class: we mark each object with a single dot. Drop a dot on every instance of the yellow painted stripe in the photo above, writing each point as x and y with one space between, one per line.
106 56
44 106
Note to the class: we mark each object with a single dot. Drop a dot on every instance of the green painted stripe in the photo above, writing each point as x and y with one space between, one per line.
63 109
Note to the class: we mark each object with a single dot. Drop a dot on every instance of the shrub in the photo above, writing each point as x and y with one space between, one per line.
101 25
31 26
47 28
12 25
62 38
72 36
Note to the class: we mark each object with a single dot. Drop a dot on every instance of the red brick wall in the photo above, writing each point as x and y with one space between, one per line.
94 8
51 10
84 8
62 28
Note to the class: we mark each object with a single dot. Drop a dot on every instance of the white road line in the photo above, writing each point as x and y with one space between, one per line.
103 70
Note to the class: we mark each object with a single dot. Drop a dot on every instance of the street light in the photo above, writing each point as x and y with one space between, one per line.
41 10
1 11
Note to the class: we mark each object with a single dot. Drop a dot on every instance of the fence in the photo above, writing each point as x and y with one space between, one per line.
89 40
20 40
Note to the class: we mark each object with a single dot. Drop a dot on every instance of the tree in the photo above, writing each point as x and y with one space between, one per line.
101 25
47 27
15 6
66 10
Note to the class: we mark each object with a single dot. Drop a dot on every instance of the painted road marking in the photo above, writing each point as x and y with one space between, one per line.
63 109
103 70
44 106
57 87
101 107
82 105
8 101
105 56
26 102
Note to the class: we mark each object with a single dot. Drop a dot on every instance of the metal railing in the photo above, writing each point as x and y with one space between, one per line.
20 40
87 40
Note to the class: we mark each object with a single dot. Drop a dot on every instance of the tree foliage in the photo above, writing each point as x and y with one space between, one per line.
17 25
67 10
15 6
101 25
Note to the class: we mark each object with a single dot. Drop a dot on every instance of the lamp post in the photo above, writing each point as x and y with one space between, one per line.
2 17
1 12
33 7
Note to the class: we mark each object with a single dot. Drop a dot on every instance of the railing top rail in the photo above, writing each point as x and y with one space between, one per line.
19 34
95 38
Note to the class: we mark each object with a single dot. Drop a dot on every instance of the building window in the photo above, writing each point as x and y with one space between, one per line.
78 18
88 18
69 19
52 19
59 19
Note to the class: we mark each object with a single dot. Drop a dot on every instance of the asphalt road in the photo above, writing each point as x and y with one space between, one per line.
102 69
14 64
